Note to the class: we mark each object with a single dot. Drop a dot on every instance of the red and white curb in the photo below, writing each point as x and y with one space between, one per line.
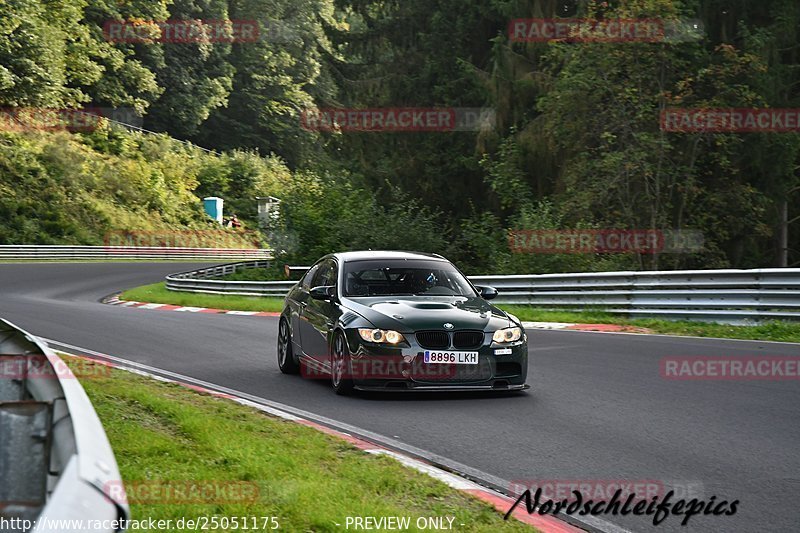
606 328
501 502
115 300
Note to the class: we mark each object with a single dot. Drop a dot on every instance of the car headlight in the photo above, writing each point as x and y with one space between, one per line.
381 336
507 335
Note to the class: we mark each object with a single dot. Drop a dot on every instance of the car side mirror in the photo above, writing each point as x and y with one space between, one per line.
323 292
486 292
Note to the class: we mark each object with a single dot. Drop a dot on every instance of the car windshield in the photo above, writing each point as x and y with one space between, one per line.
405 278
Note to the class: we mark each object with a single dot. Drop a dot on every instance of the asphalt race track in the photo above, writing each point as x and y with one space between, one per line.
598 408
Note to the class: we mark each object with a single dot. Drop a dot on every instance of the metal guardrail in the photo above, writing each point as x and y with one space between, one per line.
198 281
725 296
55 460
58 252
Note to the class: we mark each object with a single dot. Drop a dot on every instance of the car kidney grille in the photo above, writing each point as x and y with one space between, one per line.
436 340
467 339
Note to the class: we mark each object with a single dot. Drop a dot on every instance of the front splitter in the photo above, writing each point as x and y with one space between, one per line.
443 388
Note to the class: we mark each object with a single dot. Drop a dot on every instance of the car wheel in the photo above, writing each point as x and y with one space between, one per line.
340 366
286 360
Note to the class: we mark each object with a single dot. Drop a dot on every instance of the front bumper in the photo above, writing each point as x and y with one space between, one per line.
380 367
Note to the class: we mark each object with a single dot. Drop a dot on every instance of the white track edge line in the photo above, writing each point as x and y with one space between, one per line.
454 468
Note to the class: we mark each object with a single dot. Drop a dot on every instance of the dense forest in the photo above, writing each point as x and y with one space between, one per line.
575 139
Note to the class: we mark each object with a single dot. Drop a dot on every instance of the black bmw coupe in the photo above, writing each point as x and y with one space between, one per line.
399 321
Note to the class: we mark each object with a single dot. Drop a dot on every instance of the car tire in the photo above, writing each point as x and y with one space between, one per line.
340 365
286 361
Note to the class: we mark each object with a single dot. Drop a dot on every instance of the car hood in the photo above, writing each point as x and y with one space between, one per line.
409 313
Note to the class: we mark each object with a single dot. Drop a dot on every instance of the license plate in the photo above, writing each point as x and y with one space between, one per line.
453 358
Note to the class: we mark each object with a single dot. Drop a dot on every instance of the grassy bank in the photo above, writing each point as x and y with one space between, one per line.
770 331
158 293
165 435
113 186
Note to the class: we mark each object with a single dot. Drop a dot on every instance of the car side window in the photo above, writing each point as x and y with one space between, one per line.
310 274
334 274
326 275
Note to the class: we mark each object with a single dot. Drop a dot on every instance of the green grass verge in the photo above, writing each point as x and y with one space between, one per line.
769 331
256 274
165 435
158 293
